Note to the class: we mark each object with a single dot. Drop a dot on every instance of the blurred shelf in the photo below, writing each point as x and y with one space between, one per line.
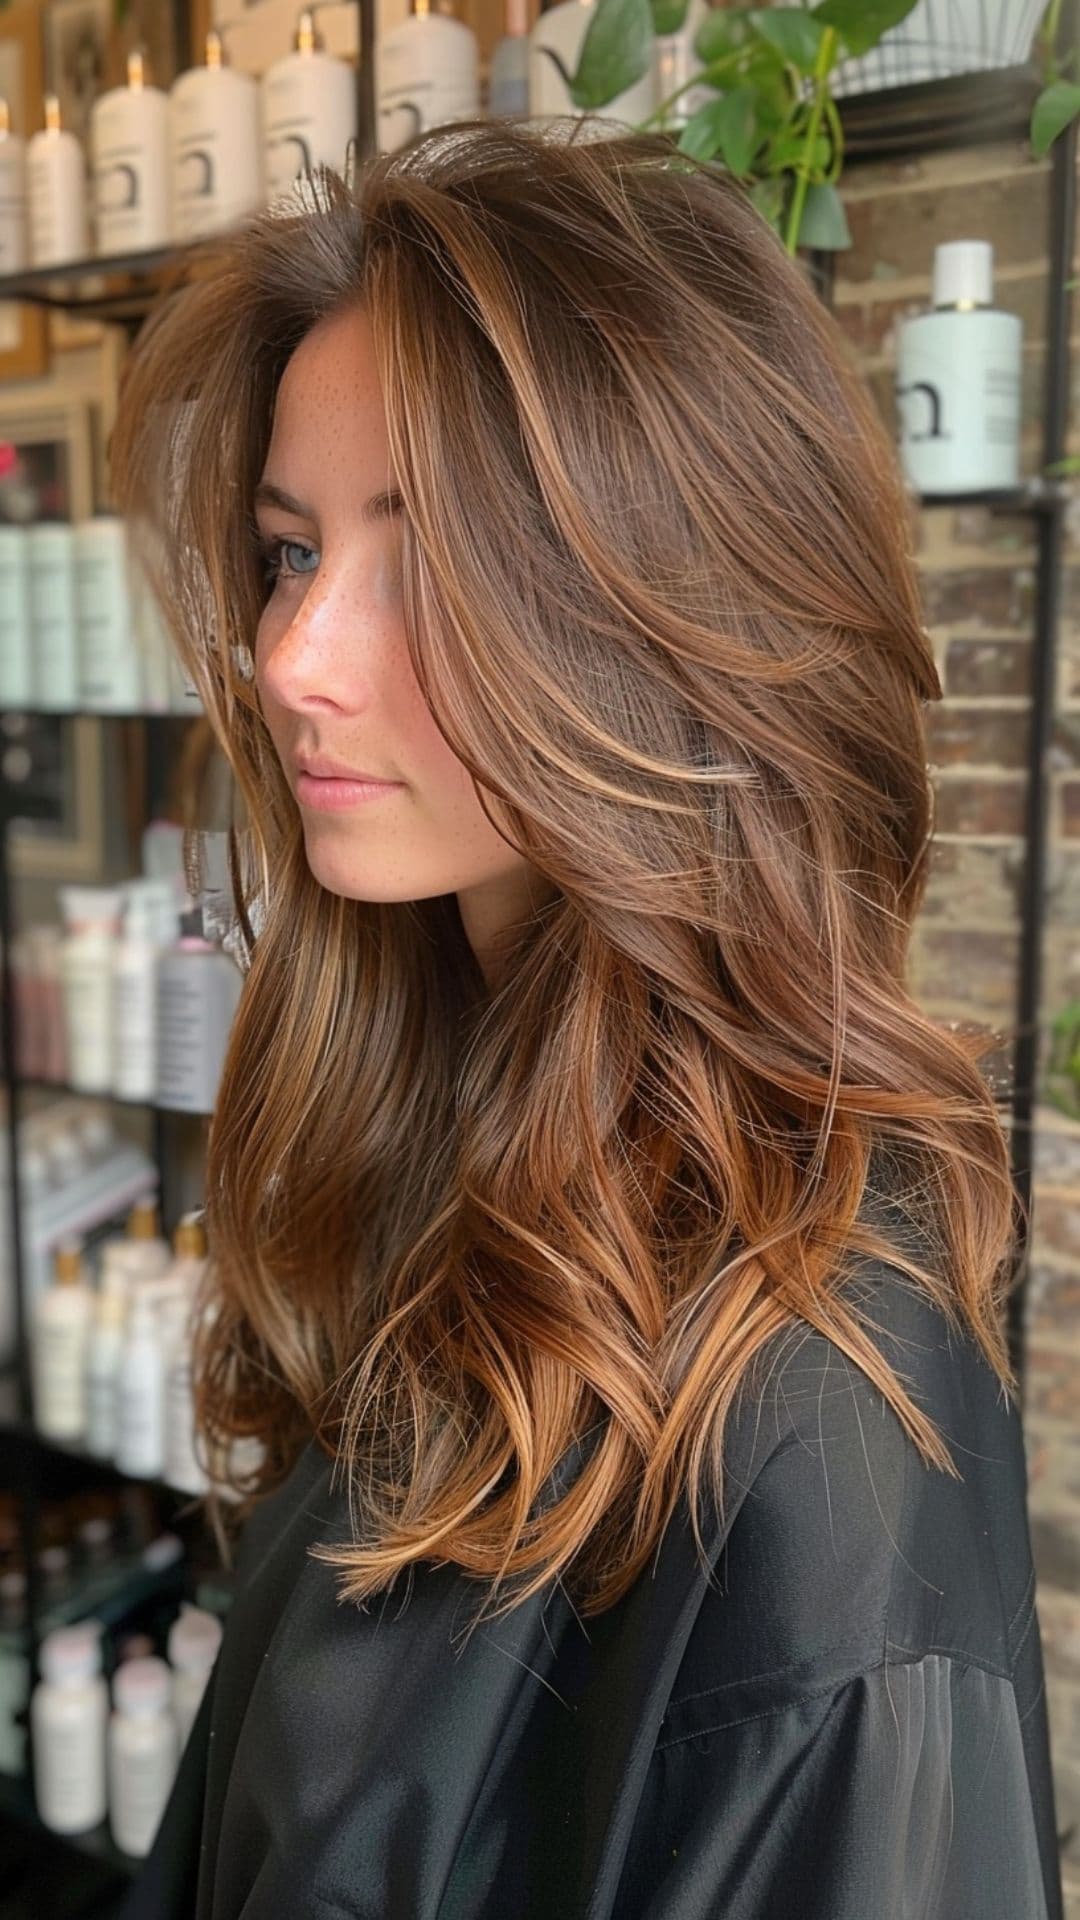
17 1806
28 1083
1032 496
118 287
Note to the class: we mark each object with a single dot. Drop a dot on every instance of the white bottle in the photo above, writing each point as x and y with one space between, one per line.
198 992
150 923
140 1398
142 1752
16 666
61 1333
554 47
308 111
214 146
508 74
109 668
193 1642
427 72
147 1254
68 1717
54 635
183 1468
958 380
56 193
129 159
103 1366
92 922
674 63
13 238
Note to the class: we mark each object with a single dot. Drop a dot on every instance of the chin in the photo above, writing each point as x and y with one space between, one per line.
339 871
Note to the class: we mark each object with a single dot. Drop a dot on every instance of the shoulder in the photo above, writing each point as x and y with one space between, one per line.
847 1551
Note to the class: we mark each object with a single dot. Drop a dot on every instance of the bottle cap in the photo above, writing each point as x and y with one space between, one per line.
142 1221
193 1640
215 49
189 1240
307 39
69 1655
68 1263
141 1686
964 273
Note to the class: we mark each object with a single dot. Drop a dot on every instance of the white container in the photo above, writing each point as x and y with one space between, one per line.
198 991
675 62
958 375
16 665
150 924
146 1253
129 160
140 1397
61 1334
13 231
215 159
92 923
69 1712
56 193
193 1642
427 72
183 1469
508 73
103 1367
554 47
53 629
142 1752
308 111
110 680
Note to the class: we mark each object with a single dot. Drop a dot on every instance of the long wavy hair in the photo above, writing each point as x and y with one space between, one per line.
660 597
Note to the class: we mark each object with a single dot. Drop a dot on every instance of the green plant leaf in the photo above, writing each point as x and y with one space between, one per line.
616 51
768 197
824 222
1055 107
794 33
861 23
723 32
669 15
736 127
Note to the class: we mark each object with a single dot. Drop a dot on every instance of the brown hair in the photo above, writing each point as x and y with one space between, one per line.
660 597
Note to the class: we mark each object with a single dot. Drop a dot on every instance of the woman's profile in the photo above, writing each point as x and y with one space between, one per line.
608 1252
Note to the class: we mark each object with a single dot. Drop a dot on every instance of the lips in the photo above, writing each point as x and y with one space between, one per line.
319 767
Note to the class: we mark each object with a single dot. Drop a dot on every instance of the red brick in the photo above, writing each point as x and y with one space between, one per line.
975 964
966 736
982 806
896 234
988 667
997 597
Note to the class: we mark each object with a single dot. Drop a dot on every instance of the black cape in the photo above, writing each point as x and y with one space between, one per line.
848 1723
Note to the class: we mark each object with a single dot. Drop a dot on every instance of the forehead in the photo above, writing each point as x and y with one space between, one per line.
329 394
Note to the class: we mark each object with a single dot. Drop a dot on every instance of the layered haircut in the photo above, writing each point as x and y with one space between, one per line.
659 595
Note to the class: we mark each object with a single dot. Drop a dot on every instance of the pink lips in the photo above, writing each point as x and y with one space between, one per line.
331 793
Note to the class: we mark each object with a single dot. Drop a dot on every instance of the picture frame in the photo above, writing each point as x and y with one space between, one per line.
77 44
24 337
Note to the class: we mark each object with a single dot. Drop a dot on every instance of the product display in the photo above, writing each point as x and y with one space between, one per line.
129 155
216 166
13 236
427 72
308 111
958 372
56 188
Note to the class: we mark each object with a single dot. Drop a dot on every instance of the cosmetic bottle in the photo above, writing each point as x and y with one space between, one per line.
150 924
16 663
508 72
308 111
427 72
109 676
142 1752
140 1390
61 1329
13 213
192 1644
554 48
183 1469
103 1353
674 63
129 158
69 1712
91 922
198 993
53 630
56 193
147 1254
214 146
958 374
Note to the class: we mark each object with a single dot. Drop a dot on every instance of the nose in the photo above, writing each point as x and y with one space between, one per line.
311 658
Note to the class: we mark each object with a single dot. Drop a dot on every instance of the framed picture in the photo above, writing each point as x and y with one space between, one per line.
24 339
46 469
77 37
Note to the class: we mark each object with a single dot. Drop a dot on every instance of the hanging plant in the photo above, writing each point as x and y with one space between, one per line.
1059 102
773 121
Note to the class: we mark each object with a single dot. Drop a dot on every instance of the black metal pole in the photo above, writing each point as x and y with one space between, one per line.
1050 541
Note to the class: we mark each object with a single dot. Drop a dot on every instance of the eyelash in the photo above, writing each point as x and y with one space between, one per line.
272 551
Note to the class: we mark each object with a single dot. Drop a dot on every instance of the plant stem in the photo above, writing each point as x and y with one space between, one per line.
826 55
695 80
1048 36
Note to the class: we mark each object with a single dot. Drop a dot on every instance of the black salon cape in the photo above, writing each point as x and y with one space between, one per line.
848 1724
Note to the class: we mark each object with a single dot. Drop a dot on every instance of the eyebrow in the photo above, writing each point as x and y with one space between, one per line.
379 507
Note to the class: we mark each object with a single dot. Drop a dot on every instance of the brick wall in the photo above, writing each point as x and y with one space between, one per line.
978 576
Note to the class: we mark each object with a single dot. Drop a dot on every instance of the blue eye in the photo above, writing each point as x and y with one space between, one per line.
283 559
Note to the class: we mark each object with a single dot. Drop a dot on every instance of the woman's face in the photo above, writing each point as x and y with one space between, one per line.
332 667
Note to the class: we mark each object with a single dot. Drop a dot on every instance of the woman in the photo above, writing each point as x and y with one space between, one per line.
602 1234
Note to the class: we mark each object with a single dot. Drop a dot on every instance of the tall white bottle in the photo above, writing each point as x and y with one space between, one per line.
61 1333
554 47
150 924
13 233
308 110
193 1642
69 1713
129 158
508 74
215 157
427 72
142 1751
56 188
110 662
140 1380
104 1348
54 633
91 925
958 372
16 665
